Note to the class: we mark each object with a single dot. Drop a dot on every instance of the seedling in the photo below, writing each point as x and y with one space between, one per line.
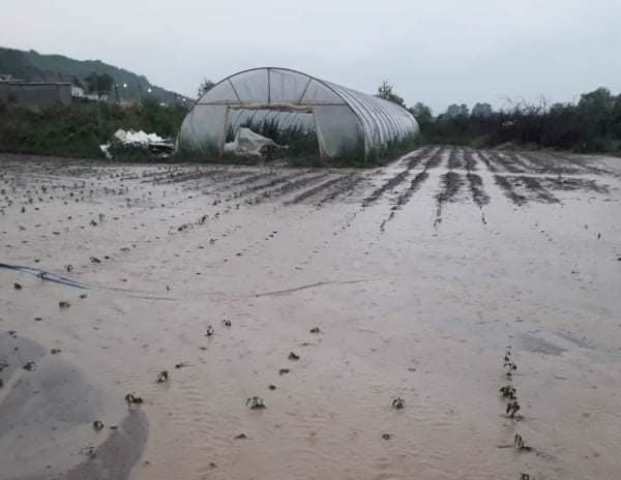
255 403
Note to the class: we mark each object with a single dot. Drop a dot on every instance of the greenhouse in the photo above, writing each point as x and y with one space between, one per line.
286 105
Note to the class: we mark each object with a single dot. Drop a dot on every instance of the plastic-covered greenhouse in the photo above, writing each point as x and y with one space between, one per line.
343 121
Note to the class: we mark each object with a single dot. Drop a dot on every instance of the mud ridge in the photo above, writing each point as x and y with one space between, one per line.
541 194
346 188
573 184
289 187
548 164
435 160
507 188
455 160
389 185
451 185
471 162
479 195
486 160
319 188
267 185
505 164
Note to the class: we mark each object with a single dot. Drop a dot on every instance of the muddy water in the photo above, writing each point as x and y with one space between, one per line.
417 289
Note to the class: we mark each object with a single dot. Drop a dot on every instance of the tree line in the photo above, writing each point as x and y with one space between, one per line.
592 124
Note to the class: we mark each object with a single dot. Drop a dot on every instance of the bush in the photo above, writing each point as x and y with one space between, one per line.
77 130
591 125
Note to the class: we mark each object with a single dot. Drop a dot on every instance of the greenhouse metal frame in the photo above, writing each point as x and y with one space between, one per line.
345 121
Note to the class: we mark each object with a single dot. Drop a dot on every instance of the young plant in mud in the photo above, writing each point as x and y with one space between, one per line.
512 408
132 399
520 444
255 403
508 392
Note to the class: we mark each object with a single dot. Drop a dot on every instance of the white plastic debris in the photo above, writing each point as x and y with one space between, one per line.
139 137
248 142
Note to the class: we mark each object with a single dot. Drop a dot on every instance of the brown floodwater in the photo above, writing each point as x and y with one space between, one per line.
419 276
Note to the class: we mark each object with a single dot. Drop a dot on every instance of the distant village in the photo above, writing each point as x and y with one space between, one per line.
95 88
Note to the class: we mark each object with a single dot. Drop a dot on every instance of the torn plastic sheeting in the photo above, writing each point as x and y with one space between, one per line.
141 137
248 142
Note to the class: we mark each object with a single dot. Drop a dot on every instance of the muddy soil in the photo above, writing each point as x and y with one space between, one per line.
311 323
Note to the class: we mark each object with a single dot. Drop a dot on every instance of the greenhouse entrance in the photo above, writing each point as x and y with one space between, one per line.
291 128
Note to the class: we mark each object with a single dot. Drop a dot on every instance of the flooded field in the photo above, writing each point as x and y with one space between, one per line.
454 314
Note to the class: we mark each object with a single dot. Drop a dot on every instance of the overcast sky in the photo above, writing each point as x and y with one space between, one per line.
436 51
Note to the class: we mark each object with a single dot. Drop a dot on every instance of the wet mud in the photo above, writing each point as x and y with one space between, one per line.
255 314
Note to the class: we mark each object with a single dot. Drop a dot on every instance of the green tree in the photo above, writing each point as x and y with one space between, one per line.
482 111
422 113
386 91
204 87
455 111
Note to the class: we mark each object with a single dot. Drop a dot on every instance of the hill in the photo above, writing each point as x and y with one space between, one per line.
33 66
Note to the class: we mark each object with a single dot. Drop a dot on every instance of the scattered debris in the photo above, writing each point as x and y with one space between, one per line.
386 436
55 351
398 403
63 304
98 425
283 371
162 377
294 356
209 331
227 323
315 330
241 436
17 286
